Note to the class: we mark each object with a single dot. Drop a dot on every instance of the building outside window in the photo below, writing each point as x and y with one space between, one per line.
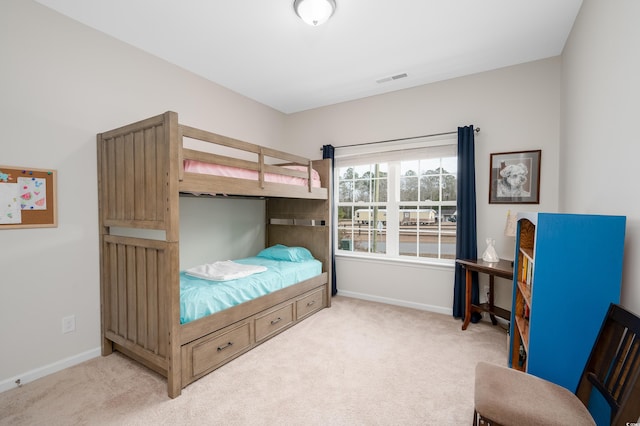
398 201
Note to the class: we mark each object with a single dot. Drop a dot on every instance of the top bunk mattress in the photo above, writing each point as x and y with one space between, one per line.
194 166
201 297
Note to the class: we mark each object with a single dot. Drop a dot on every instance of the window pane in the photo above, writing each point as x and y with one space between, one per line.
430 188
370 236
366 232
449 181
370 183
409 189
409 180
448 230
379 186
345 227
449 187
345 214
345 189
426 232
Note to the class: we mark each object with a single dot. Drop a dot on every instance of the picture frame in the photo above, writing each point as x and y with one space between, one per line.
514 177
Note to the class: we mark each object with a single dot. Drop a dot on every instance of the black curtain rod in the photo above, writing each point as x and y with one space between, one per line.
477 130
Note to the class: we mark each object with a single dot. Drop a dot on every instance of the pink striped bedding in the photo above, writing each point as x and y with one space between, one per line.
193 166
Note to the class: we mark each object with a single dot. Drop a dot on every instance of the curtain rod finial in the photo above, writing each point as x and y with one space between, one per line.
477 129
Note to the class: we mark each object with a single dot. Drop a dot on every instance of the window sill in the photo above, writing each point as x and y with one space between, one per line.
447 264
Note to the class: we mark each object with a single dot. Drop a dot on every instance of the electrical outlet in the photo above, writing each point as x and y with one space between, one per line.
69 324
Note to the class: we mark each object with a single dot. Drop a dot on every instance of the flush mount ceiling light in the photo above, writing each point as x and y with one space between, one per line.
314 12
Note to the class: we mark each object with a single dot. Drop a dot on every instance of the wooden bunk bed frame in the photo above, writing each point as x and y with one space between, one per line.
140 179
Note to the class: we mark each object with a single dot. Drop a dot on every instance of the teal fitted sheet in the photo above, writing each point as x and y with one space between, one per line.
199 297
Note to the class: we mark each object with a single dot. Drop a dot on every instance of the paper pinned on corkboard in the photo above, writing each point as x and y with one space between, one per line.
27 198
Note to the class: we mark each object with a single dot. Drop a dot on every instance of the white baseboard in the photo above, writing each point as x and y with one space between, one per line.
30 376
397 302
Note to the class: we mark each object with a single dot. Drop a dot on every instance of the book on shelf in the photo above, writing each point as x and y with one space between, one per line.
526 271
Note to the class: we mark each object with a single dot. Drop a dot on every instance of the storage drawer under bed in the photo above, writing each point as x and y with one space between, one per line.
274 321
310 303
209 352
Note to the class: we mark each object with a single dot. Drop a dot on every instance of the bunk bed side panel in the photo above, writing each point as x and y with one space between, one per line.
135 275
138 165
134 175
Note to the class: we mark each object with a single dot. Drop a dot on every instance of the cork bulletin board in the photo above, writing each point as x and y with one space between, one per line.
27 198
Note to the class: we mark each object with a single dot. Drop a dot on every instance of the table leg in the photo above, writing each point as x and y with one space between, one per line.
467 298
493 317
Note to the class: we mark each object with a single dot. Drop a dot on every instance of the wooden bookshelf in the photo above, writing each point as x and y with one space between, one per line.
523 279
567 269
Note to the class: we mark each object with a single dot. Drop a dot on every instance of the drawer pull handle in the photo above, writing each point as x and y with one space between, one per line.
221 348
275 321
313 302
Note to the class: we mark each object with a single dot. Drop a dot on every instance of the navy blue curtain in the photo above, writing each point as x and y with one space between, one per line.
328 151
466 235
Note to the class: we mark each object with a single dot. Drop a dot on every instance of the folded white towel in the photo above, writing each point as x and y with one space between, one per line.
224 270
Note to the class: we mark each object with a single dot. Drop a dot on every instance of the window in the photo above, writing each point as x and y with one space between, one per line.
399 201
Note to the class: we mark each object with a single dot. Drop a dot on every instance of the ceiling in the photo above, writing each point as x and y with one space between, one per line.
262 50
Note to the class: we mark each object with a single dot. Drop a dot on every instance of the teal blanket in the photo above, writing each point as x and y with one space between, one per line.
199 297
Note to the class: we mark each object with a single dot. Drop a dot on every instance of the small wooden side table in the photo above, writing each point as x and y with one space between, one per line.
502 268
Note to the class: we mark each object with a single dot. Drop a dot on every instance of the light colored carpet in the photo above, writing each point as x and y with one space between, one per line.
357 363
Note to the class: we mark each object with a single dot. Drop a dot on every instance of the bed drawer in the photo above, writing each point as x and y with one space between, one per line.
310 303
271 322
213 351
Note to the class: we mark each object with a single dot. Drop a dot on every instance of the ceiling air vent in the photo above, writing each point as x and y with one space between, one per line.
393 77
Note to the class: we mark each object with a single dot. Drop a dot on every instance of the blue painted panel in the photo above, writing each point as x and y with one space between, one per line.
578 272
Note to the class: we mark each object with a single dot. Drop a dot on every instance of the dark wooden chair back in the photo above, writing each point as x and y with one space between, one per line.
613 368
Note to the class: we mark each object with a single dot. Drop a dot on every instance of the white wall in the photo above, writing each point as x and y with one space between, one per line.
516 108
600 146
204 224
60 84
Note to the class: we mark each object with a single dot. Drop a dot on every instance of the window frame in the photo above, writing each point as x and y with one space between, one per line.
395 152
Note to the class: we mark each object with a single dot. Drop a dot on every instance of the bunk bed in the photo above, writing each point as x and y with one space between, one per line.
143 169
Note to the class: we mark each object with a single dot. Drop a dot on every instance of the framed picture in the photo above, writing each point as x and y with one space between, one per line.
515 177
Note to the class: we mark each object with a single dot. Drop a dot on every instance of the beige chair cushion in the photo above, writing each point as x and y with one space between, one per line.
510 397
